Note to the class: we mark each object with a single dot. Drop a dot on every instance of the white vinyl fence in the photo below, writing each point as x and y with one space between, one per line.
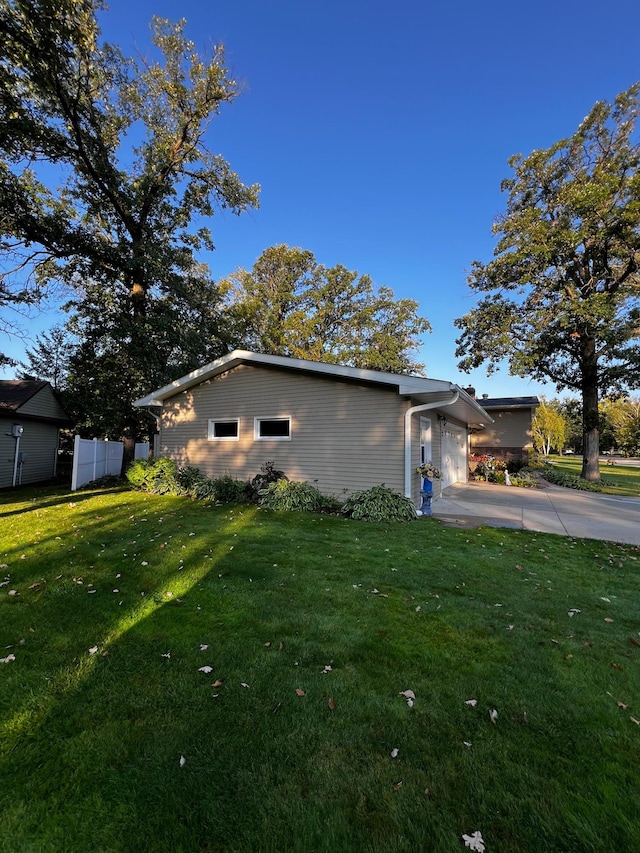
93 459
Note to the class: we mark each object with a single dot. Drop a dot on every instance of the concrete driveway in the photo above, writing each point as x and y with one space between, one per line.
552 509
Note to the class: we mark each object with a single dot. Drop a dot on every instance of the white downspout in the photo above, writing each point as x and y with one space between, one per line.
407 434
16 456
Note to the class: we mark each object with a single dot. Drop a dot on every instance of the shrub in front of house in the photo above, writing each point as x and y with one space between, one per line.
156 476
379 503
292 496
226 490
525 479
162 476
268 475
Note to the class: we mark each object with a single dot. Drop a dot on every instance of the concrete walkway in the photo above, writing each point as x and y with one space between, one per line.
552 509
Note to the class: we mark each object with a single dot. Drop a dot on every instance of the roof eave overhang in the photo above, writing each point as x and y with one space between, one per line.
418 389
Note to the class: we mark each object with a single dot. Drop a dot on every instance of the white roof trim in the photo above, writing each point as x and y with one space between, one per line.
413 386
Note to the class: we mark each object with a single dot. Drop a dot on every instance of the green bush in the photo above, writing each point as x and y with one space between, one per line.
157 476
570 481
189 478
163 477
525 480
228 490
379 503
330 505
268 474
292 496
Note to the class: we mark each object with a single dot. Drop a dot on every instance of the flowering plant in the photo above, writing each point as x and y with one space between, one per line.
428 469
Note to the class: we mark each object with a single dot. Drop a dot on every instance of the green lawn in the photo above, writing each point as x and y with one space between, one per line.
113 739
619 478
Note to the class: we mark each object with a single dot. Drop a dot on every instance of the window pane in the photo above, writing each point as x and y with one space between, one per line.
225 429
274 428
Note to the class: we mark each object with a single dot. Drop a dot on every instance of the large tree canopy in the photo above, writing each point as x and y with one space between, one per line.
104 169
289 304
563 289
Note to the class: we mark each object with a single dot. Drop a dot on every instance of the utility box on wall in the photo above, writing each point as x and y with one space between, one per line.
17 430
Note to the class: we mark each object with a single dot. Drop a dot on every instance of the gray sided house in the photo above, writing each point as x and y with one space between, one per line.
510 435
30 420
339 428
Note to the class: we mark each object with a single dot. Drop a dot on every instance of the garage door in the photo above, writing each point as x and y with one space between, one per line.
454 455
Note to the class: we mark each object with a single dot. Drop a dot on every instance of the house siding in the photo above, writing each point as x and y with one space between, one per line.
509 436
344 435
40 444
43 405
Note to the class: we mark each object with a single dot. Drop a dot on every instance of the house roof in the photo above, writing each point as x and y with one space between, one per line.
418 388
14 393
509 402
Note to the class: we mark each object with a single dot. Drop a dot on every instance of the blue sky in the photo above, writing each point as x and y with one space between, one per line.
380 132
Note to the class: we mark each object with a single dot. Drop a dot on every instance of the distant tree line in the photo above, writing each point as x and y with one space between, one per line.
557 426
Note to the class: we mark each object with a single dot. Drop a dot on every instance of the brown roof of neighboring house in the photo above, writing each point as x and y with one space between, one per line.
14 393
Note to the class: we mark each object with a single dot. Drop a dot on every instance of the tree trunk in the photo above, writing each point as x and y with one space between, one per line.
590 430
139 301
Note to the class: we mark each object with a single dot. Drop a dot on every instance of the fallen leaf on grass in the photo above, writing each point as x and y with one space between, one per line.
617 666
622 705
267 645
217 683
474 842
634 642
8 659
471 703
493 716
607 619
394 752
34 585
13 592
633 720
93 650
397 786
183 761
203 647
573 611
332 704
205 669
408 694
244 684
300 692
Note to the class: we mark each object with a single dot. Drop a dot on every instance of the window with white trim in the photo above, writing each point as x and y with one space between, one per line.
224 430
272 429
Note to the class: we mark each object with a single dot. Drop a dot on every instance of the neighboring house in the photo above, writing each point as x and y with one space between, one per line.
339 428
30 420
510 435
